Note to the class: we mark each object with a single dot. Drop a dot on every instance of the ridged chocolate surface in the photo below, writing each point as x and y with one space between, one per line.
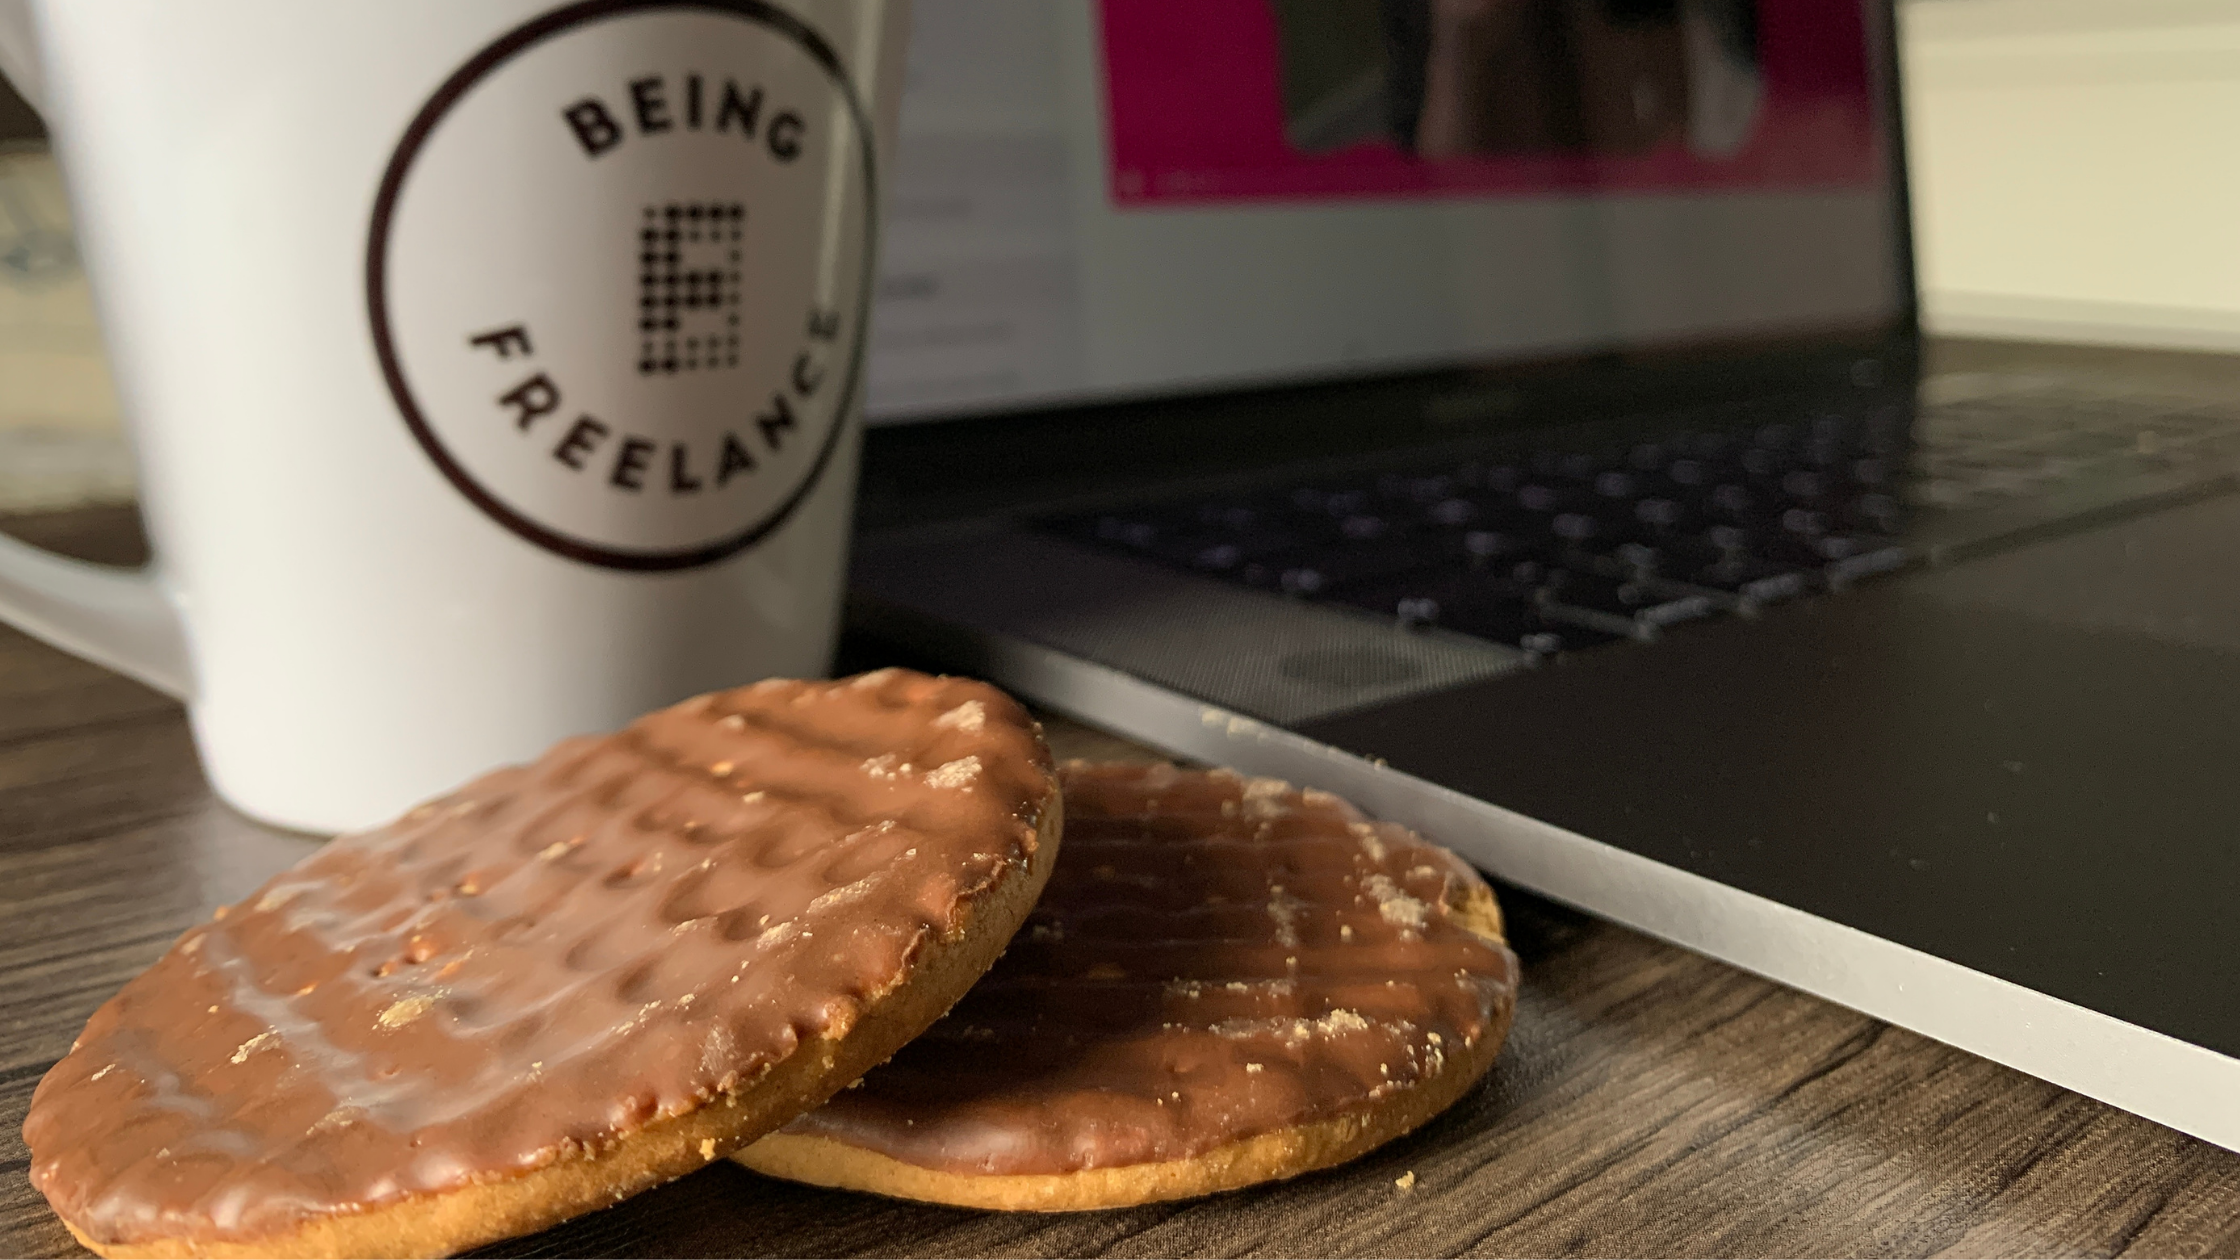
1213 958
542 962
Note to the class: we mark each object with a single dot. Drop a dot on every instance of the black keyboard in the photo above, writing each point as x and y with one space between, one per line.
1557 551
1561 550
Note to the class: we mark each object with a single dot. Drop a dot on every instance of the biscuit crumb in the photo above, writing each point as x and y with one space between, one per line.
722 769
1264 798
1396 907
404 1012
103 1072
969 716
1254 1069
242 1052
707 1148
846 893
1406 1181
1284 909
954 774
339 1118
1291 1028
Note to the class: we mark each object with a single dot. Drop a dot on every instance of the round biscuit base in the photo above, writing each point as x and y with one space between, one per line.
1264 1157
457 1220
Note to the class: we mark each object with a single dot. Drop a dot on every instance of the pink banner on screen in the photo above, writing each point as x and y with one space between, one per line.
1214 101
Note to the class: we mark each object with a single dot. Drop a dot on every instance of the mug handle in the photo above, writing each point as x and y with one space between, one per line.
120 618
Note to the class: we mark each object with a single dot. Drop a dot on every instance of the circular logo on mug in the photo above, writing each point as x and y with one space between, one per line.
618 275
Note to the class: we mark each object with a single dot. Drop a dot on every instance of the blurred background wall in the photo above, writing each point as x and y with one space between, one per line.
2076 168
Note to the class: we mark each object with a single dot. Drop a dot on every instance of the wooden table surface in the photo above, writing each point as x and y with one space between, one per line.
1649 1102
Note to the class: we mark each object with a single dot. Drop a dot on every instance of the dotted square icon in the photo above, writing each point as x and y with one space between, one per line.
688 287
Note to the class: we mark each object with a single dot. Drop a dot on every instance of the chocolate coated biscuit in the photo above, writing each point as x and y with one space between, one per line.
561 984
1227 981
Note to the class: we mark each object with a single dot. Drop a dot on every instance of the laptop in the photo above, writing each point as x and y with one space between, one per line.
1512 418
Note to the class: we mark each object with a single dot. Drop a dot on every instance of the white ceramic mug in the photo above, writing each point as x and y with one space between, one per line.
491 366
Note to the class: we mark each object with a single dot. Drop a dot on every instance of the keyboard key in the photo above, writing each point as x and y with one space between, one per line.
1574 527
1128 533
1650 607
1451 513
1594 620
1481 545
1866 564
1752 580
1483 608
1313 571
1660 513
1542 498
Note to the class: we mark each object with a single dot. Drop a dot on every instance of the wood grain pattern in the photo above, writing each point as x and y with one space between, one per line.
1650 1102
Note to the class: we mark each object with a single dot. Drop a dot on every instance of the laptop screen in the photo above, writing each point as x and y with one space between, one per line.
1125 199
